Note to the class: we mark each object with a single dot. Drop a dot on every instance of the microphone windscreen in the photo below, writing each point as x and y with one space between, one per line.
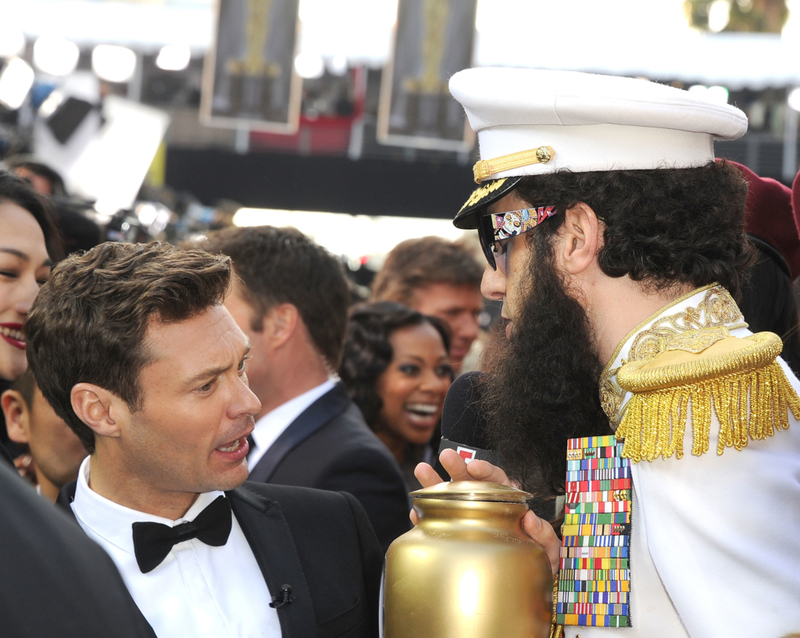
462 420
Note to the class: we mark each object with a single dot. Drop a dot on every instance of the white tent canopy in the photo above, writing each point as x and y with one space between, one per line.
625 37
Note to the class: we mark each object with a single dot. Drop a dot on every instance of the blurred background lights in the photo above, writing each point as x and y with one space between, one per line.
174 57
716 94
55 56
51 103
15 82
794 99
113 63
719 14
349 234
337 65
309 65
12 41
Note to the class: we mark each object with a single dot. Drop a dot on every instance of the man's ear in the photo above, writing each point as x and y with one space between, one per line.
280 323
98 408
580 238
17 416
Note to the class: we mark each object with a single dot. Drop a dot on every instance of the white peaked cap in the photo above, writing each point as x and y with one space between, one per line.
532 122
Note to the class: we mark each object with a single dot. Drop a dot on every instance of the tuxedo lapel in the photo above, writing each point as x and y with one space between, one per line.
265 528
65 497
328 406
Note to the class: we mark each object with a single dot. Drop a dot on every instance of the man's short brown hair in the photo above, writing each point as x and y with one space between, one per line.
89 321
282 265
416 263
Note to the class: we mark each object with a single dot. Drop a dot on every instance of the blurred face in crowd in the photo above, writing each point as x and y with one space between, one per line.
413 387
24 267
56 450
40 184
189 436
459 306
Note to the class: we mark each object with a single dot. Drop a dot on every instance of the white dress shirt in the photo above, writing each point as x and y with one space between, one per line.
199 590
270 426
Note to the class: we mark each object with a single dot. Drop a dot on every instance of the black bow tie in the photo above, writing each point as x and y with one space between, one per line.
153 541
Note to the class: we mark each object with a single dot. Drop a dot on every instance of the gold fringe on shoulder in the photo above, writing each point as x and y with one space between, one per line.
751 402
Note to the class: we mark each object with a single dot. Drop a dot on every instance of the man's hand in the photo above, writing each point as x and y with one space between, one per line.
538 530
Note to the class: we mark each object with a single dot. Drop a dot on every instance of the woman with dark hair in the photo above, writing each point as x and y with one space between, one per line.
29 245
396 368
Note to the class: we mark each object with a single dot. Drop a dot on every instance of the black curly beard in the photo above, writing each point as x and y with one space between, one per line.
543 381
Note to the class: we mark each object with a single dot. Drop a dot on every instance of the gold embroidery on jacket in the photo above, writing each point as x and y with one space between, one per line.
738 379
716 309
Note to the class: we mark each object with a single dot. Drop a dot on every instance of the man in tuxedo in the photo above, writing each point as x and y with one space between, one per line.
132 346
291 298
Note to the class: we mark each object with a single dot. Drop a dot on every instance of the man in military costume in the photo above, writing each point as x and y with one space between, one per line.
621 278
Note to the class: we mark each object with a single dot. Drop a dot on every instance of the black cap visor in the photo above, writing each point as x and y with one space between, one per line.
488 192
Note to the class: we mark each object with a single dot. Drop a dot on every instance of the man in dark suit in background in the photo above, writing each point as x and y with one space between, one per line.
290 299
132 346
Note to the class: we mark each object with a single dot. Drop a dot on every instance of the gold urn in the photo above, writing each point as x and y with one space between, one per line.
467 570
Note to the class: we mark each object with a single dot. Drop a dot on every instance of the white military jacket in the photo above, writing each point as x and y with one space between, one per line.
715 534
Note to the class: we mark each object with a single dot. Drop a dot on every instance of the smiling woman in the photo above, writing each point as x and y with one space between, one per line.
29 243
397 369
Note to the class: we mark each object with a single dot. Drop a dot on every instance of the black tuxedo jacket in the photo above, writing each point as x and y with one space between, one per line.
321 545
330 447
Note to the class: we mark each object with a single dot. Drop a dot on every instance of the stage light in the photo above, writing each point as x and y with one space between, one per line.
15 82
309 66
55 56
12 42
337 65
51 104
794 99
113 63
719 14
174 57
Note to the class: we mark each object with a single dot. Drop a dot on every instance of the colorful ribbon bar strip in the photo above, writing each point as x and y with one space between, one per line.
594 578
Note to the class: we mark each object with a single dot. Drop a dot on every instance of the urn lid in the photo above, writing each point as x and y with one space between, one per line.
473 491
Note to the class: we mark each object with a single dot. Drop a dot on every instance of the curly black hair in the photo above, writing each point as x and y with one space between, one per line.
663 227
368 353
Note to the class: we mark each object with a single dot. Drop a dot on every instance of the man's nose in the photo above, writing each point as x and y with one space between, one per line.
493 284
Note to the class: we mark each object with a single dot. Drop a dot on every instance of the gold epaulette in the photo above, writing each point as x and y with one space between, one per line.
739 378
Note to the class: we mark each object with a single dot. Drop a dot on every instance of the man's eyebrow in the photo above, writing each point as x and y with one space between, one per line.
23 256
215 372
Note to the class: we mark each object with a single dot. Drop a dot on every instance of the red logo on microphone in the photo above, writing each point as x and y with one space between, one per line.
466 453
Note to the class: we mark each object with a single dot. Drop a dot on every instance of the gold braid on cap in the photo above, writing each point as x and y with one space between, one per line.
738 378
485 168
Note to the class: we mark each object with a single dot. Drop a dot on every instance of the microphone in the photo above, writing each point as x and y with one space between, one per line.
463 425
284 598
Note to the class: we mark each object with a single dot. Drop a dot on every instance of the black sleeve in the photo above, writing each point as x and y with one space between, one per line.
56 581
371 561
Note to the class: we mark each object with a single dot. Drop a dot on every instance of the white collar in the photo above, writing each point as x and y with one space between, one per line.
112 521
270 426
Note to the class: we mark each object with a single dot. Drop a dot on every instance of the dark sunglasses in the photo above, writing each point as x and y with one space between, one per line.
496 229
